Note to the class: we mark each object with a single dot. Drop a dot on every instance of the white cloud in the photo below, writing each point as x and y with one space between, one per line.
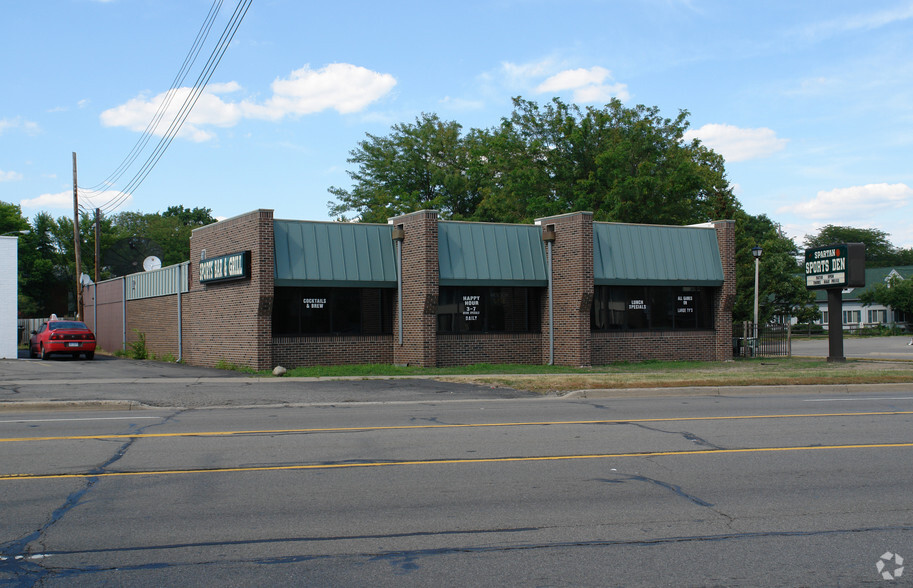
137 113
737 144
574 78
17 123
343 87
461 103
340 86
589 85
9 176
64 200
522 73
59 200
853 203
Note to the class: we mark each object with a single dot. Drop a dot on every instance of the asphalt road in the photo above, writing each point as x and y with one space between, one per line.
685 491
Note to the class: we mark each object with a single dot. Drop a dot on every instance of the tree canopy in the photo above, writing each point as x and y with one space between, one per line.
879 251
47 266
781 289
623 164
896 294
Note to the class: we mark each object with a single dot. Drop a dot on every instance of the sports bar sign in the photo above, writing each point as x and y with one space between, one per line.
835 266
234 266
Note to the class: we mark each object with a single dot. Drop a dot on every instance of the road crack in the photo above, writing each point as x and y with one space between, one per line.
19 560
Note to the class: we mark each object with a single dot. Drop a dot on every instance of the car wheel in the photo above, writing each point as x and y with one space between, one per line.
90 354
44 353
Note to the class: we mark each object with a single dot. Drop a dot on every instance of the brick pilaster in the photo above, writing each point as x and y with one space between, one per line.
724 298
572 275
421 279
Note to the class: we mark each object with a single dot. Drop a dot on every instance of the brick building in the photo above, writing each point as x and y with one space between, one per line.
262 292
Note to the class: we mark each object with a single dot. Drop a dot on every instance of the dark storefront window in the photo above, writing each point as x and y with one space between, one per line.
644 308
491 309
333 311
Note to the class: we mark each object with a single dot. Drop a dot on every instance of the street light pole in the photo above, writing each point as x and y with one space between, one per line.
756 251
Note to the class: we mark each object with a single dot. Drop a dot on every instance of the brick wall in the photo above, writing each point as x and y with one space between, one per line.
232 321
643 345
467 349
157 319
421 277
292 352
572 283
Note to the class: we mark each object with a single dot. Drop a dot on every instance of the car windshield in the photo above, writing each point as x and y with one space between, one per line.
74 325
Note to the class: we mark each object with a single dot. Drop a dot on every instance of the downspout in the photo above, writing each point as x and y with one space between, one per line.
549 237
123 315
95 309
398 236
180 315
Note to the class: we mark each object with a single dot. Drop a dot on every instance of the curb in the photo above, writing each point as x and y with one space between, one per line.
36 405
834 389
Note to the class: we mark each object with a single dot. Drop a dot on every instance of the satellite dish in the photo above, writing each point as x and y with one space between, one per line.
126 256
151 263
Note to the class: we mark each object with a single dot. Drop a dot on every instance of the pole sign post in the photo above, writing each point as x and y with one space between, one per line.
834 268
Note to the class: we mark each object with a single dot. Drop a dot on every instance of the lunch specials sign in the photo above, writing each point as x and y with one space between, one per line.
835 266
234 266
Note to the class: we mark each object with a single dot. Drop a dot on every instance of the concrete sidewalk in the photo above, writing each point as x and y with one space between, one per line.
109 382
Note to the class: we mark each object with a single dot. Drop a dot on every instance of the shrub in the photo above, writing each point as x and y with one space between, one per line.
138 348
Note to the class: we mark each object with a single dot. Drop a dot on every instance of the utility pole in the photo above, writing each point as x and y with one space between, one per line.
76 244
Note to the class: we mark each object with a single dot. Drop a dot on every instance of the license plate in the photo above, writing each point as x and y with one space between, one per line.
74 344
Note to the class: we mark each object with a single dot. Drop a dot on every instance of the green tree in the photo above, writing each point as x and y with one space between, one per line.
11 219
44 281
623 164
896 294
420 165
879 252
165 234
781 289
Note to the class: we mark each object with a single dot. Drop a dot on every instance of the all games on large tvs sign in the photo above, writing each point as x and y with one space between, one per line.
835 266
234 266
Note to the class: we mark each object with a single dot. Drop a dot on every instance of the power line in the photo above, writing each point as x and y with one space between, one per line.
179 119
179 78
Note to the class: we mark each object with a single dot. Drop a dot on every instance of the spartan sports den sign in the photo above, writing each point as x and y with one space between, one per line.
234 266
835 266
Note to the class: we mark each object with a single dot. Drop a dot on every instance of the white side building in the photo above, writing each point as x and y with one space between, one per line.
9 294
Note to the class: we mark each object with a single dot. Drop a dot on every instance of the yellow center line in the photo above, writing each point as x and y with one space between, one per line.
10 477
441 426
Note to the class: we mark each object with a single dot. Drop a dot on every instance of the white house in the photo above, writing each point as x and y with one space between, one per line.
855 314
9 291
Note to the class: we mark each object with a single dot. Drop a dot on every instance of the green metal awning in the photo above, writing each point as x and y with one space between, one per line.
650 255
489 254
334 254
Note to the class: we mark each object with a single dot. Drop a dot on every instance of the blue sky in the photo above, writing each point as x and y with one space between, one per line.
810 102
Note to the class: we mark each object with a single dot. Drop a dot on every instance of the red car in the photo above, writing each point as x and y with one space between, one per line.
62 336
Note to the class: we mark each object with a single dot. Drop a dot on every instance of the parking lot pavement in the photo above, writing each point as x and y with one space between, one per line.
102 367
884 348
109 382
